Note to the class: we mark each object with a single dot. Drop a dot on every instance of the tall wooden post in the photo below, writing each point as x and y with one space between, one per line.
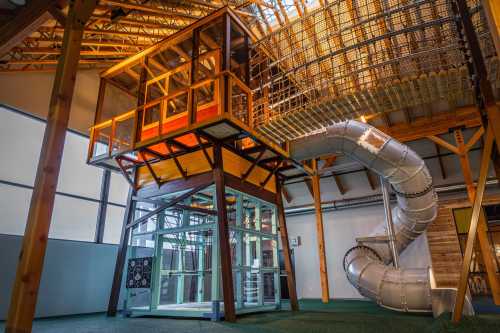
128 217
30 266
223 229
471 236
482 236
491 10
290 275
488 103
323 272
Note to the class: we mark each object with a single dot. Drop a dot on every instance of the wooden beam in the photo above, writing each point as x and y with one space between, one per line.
27 21
287 258
444 144
329 161
150 9
371 181
57 51
91 42
496 165
339 184
323 271
440 160
482 235
91 31
471 236
308 182
491 10
286 194
437 124
30 266
223 233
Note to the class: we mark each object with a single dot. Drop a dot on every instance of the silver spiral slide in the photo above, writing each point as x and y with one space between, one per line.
368 268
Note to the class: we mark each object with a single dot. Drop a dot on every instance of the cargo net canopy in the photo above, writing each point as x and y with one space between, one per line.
346 59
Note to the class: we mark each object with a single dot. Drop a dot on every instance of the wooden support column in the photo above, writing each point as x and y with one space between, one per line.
30 266
323 272
290 274
223 229
482 235
492 12
471 236
486 102
461 150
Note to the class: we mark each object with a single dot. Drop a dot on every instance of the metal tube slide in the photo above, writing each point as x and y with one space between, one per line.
368 268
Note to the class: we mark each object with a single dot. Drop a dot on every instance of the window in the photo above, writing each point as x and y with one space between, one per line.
78 190
113 226
73 219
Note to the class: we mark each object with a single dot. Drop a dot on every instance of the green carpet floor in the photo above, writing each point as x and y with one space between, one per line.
337 316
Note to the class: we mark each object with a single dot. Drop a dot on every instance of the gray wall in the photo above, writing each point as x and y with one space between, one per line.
76 277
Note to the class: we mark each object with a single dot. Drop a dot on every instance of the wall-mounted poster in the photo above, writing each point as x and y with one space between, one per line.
139 272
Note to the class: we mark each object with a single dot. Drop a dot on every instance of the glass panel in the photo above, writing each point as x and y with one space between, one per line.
207 65
249 213
149 225
155 89
117 101
186 266
251 286
239 53
173 55
269 287
73 219
176 113
179 79
205 101
101 140
267 219
113 224
14 205
20 152
232 208
118 189
123 132
211 36
150 121
269 253
76 177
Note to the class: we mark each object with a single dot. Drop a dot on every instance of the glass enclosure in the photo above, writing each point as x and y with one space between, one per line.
173 266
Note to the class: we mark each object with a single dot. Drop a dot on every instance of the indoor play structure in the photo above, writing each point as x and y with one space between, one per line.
208 124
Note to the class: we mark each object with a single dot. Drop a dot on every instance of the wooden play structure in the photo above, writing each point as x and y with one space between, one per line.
176 120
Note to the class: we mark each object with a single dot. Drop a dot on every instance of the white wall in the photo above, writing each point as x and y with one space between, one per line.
30 92
341 229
